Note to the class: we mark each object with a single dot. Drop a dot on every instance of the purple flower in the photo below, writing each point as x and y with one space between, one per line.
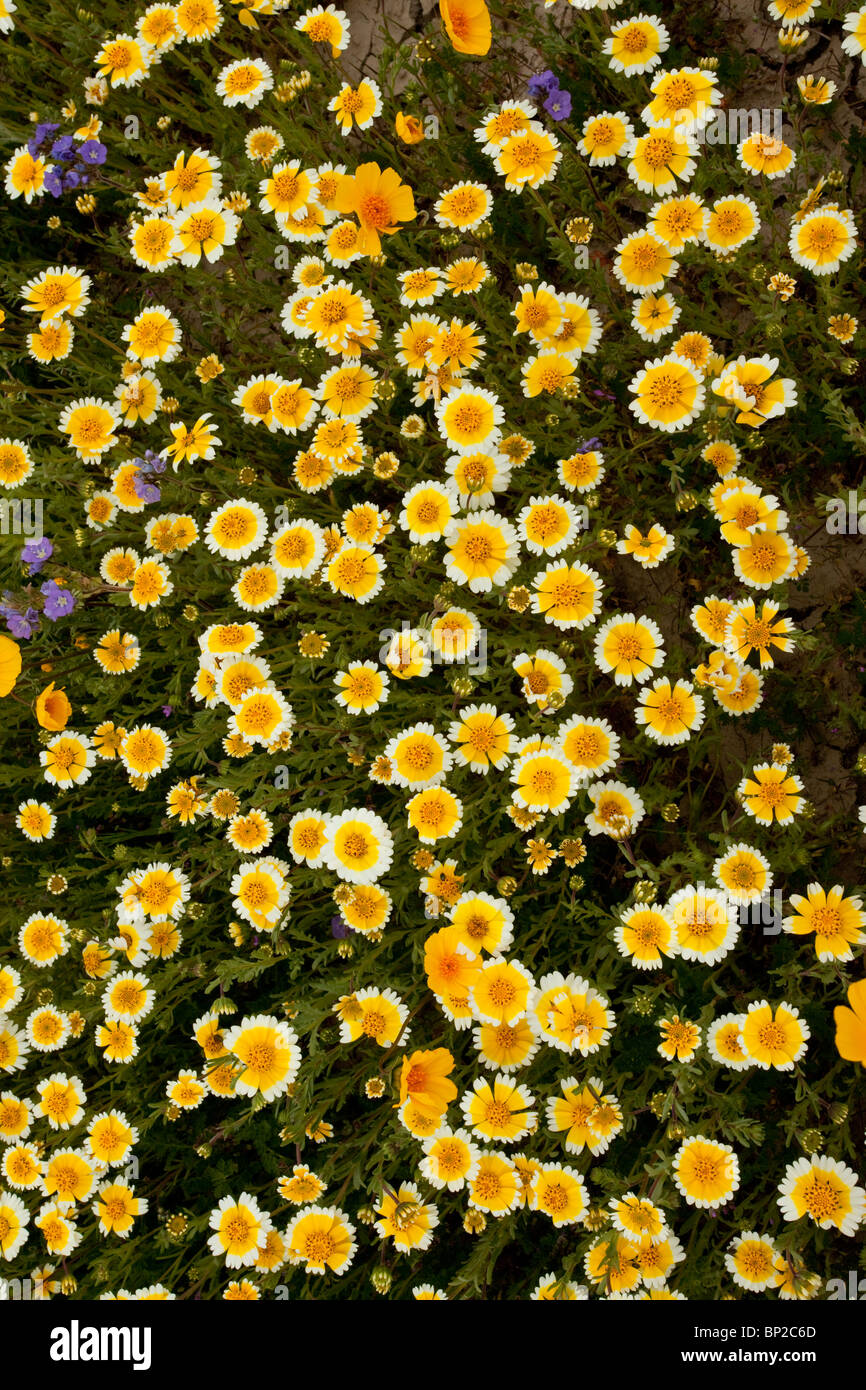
166 709
588 445
53 180
543 84
146 491
63 148
339 930
21 624
58 602
43 129
92 152
71 179
558 105
35 553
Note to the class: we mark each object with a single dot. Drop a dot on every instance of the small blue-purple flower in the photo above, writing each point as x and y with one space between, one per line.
543 84
558 105
59 602
92 152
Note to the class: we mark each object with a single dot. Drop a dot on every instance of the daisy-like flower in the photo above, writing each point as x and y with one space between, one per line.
744 873
854 28
766 558
670 712
589 744
771 793
669 393
747 631
151 243
680 1039
451 1159
546 373
584 1115
684 96
406 1220
548 525
25 175
356 572
645 936
560 1193
463 206
629 648
153 336
376 1014
816 91
676 222
145 751
14 1047
240 1230
731 222
269 1053
568 595
483 923
706 923
261 892
16 464
823 239
748 384
482 551
362 687
662 158
824 1190
15 1117
606 136
499 1110
636 45
321 1238
124 60
706 1172
469 419
435 813
61 1100
774 1040
14 1220
654 315
545 780
765 155
420 757
359 846
570 1014
500 993
236 529
837 921
36 821
204 229
617 809
244 82
638 1217
725 1042
648 550
483 737
326 24
90 424
43 938
67 759
528 158
751 1259
642 262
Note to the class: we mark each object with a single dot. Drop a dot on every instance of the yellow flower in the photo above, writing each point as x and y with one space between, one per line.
467 24
10 665
380 201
